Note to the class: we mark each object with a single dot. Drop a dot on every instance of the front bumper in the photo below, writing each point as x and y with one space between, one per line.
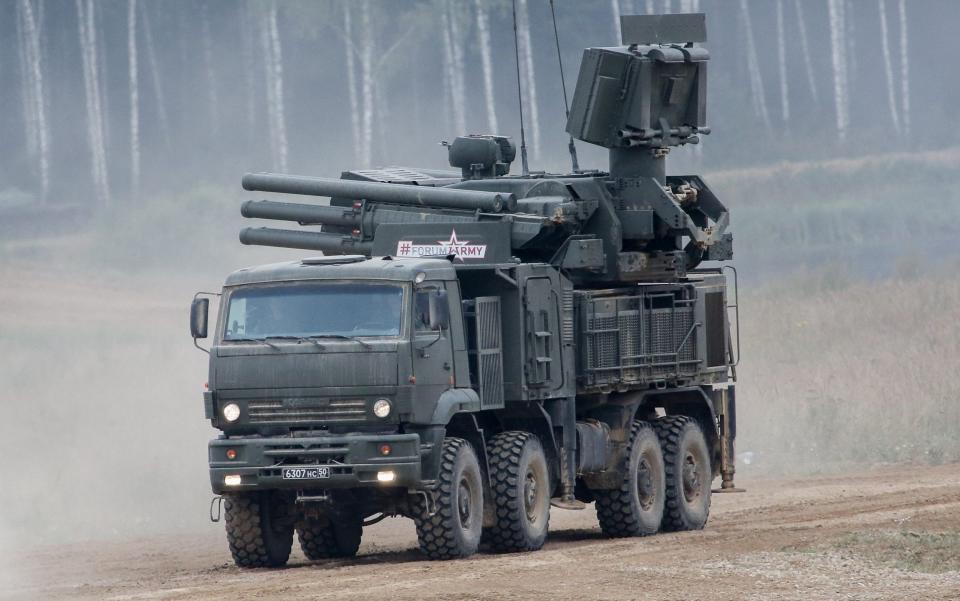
353 461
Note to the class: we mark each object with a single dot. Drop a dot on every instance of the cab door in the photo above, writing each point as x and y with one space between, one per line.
433 364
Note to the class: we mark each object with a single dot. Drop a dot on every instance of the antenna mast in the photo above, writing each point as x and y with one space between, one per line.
523 136
563 84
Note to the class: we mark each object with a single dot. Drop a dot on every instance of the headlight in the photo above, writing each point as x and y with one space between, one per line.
231 412
381 408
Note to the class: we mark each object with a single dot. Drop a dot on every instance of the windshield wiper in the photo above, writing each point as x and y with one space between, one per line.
298 339
263 340
314 339
340 337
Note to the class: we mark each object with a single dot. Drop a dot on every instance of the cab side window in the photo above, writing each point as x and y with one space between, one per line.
421 310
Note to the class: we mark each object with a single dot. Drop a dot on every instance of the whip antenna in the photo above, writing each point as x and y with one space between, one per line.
563 84
523 137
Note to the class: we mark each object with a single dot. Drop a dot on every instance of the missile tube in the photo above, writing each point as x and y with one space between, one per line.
406 194
327 243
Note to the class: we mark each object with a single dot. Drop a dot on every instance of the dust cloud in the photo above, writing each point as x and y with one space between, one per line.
108 425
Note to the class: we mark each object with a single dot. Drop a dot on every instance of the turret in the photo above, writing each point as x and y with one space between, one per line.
630 223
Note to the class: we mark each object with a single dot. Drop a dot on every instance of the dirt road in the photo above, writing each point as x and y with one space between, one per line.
887 533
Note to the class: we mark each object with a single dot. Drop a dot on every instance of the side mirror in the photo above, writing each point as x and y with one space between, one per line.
439 310
198 317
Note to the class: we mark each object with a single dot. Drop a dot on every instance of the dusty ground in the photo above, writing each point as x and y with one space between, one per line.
890 533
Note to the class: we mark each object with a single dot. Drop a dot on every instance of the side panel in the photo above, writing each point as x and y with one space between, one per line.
537 343
486 355
548 333
655 334
541 331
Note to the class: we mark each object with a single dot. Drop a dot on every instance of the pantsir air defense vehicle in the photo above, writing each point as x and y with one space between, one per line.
473 348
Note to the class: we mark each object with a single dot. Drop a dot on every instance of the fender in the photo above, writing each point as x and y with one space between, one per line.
453 401
696 403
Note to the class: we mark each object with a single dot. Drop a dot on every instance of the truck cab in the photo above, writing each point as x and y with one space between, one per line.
327 372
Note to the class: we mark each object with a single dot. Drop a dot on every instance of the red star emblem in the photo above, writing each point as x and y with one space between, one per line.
453 240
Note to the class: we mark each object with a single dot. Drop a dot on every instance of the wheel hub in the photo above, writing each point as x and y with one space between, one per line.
530 496
463 503
645 488
691 478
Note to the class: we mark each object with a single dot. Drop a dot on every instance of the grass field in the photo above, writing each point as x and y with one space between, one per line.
837 371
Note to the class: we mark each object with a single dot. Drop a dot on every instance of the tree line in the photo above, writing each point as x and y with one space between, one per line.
108 100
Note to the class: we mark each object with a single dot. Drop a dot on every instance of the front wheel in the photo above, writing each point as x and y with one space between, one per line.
451 528
520 484
689 474
259 528
636 507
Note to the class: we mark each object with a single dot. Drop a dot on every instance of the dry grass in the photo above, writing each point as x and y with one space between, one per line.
839 372
922 551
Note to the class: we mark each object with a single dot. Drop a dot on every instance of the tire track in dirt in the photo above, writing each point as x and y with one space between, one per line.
774 542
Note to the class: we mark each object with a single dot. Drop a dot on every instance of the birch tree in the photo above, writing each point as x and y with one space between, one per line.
159 99
366 84
452 95
888 66
904 69
753 67
805 49
782 64
34 97
134 88
457 71
486 62
248 61
350 51
528 76
839 60
615 9
86 20
273 75
26 85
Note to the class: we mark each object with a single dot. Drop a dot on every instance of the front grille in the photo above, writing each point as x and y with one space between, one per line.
306 411
306 453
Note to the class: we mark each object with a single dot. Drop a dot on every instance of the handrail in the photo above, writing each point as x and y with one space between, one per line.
736 307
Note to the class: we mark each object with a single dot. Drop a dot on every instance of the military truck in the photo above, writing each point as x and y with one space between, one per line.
473 348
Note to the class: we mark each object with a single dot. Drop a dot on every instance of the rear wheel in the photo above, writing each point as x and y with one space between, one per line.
259 528
521 492
689 473
636 508
451 527
330 537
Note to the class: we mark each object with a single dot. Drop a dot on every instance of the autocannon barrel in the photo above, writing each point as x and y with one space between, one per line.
472 200
326 243
301 213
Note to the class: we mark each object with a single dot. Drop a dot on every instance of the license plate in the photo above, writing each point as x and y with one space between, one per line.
306 473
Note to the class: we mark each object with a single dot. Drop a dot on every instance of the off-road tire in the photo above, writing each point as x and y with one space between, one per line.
520 485
454 529
689 473
329 537
259 528
636 507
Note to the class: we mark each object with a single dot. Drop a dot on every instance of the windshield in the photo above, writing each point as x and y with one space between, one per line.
314 310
